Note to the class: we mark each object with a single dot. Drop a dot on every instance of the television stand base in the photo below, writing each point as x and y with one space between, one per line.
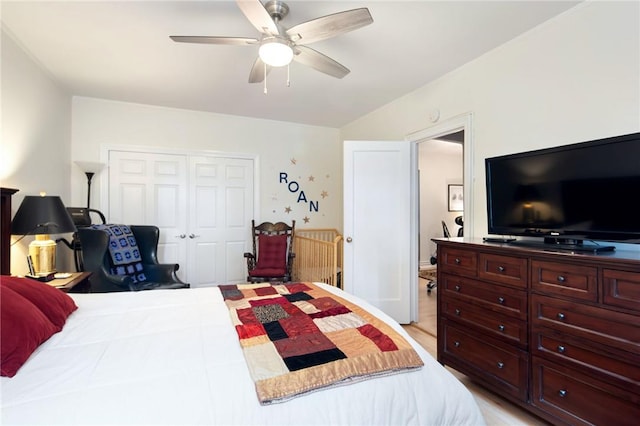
498 240
564 244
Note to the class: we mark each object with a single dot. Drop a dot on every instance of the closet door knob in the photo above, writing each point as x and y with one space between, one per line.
349 239
181 236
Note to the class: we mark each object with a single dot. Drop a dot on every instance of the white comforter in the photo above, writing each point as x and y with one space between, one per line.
172 357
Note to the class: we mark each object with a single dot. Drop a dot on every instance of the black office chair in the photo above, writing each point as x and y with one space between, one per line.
445 230
460 223
143 274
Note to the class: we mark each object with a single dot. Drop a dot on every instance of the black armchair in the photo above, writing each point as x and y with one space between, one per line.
97 259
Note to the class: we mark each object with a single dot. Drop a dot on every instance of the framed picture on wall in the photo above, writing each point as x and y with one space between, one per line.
456 198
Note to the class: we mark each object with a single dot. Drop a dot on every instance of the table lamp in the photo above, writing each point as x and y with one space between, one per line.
40 216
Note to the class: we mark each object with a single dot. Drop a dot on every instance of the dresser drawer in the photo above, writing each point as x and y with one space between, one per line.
507 270
615 329
576 281
456 261
503 366
621 288
599 361
580 399
506 300
501 326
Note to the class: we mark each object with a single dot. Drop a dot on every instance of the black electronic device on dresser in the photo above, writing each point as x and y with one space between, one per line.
555 332
566 195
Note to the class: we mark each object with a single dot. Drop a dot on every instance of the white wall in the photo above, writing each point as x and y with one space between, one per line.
317 152
440 165
572 79
35 150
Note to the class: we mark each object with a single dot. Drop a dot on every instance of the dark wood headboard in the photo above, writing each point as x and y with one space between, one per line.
5 230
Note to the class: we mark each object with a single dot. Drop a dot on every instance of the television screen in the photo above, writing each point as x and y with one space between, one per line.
583 191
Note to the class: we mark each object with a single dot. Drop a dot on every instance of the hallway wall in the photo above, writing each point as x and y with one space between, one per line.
440 164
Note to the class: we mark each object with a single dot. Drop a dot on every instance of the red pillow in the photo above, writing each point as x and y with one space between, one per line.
272 252
55 304
24 328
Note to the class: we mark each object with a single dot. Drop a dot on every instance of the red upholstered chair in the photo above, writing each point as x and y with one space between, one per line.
272 256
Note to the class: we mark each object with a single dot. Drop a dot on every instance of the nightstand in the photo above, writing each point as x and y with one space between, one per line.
78 282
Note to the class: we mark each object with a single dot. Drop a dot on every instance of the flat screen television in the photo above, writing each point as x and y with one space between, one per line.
571 196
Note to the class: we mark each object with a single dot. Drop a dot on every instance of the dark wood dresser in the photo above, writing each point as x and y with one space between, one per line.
555 332
5 230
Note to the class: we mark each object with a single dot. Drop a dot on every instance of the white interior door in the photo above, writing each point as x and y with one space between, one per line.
202 204
220 212
380 225
151 189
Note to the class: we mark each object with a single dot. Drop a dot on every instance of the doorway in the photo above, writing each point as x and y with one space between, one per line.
457 134
440 162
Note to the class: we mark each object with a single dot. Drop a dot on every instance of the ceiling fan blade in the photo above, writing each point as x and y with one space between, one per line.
257 71
330 25
316 60
215 40
258 16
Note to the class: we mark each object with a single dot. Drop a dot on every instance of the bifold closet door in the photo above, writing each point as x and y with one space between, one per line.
151 189
220 213
203 206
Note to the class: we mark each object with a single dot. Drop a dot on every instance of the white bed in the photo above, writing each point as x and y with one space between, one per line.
173 357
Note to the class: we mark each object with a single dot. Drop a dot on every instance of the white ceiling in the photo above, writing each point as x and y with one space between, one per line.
121 50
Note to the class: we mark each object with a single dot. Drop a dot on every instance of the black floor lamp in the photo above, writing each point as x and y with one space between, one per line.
89 169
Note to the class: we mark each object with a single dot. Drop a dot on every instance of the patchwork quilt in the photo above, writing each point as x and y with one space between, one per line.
298 338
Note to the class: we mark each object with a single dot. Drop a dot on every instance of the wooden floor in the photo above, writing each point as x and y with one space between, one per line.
496 410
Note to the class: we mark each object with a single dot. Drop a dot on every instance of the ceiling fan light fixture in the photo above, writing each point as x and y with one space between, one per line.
275 52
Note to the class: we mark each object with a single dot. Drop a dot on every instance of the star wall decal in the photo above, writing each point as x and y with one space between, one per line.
306 219
324 194
293 161
287 209
311 178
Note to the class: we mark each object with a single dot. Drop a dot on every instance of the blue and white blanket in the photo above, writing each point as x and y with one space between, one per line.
124 252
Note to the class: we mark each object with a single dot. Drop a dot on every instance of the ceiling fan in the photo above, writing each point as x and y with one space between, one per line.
279 45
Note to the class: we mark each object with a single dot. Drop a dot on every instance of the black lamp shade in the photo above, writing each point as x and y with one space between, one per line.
42 215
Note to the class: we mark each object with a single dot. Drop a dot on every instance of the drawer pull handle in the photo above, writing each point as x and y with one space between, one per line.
501 300
457 261
561 316
457 288
561 349
456 344
561 279
500 365
457 311
500 268
562 393
501 327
